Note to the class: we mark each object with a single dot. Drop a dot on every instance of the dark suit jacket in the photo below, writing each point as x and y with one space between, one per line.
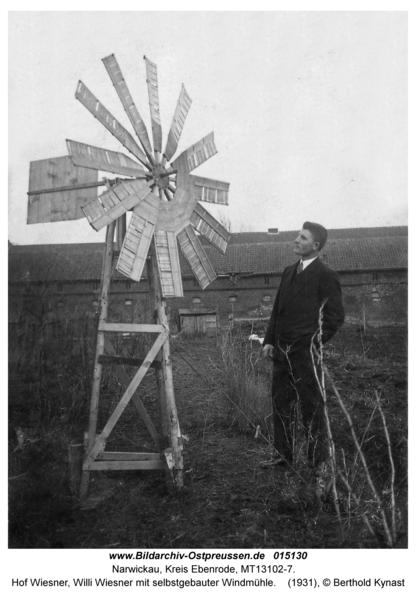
295 316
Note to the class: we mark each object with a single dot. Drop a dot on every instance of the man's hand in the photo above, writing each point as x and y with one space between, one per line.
267 351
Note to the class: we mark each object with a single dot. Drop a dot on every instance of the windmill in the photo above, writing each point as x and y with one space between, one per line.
167 214
166 202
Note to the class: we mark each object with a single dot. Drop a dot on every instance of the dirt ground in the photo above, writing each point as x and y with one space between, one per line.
228 501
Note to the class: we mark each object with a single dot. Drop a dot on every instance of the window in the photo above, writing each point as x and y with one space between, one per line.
267 298
128 302
128 285
196 300
95 285
375 276
196 283
267 280
375 295
232 299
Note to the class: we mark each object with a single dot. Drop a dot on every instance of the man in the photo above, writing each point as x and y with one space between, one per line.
294 325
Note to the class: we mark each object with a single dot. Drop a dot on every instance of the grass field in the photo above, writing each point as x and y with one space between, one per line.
222 394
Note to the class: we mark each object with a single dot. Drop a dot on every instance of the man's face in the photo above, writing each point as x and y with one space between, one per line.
305 246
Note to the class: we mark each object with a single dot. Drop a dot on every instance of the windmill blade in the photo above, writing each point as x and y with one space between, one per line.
53 196
210 190
168 262
152 86
195 256
194 156
113 69
92 157
138 237
209 227
99 111
115 202
178 122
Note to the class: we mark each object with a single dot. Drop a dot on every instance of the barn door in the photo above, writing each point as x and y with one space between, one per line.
199 325
196 326
211 325
188 326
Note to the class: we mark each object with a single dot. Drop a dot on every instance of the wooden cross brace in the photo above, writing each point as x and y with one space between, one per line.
153 461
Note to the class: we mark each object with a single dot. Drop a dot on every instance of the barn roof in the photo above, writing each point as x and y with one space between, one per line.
341 255
358 252
249 237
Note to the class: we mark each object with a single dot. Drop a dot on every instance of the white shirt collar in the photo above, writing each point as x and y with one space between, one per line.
307 262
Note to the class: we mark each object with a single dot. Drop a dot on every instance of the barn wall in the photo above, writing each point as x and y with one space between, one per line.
378 298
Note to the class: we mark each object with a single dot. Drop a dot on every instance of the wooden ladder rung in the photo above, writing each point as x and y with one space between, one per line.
124 465
128 455
106 359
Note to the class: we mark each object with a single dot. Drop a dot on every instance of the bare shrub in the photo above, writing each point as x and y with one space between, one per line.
245 381
375 506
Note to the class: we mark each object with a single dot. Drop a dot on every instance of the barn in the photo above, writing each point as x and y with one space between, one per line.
52 283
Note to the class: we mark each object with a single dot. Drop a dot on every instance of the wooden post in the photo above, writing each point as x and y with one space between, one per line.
167 397
98 367
155 299
155 292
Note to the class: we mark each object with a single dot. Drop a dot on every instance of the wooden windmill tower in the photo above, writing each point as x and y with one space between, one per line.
166 214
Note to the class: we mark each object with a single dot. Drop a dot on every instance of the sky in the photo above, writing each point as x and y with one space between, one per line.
309 109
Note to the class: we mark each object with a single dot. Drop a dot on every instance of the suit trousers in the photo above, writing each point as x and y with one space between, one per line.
295 391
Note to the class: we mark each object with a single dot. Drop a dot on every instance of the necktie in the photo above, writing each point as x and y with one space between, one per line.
299 268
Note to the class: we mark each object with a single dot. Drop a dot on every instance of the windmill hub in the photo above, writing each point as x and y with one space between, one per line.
159 175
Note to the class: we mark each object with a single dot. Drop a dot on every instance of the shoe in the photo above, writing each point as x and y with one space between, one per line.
274 462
